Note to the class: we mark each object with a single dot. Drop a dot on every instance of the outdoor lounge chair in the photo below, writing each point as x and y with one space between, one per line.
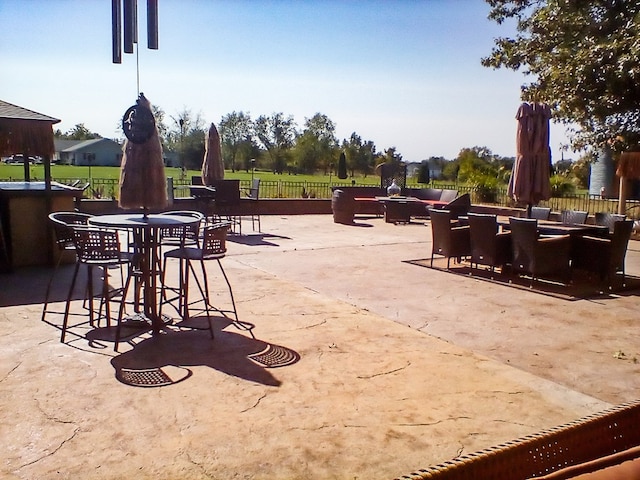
549 256
448 240
604 446
603 256
488 245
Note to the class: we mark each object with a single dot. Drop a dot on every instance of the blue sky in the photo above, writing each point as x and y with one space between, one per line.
401 73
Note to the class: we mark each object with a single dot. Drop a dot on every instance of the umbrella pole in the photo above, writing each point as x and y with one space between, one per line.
529 210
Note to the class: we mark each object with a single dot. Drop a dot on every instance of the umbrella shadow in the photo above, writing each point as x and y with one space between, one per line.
167 358
257 239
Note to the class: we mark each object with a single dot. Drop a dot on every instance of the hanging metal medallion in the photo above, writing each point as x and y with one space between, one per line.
138 124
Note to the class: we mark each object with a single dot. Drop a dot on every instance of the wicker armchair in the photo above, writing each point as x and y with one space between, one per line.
488 246
609 219
604 256
548 256
591 443
540 213
448 240
572 217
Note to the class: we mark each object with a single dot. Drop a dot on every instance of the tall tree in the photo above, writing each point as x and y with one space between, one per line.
276 133
316 146
583 58
185 136
236 134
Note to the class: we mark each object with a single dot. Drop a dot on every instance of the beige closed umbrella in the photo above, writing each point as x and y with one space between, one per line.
529 182
143 183
212 165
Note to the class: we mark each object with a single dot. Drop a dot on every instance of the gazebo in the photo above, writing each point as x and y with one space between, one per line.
27 132
24 206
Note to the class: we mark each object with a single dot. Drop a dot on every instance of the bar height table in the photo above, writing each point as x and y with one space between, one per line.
145 229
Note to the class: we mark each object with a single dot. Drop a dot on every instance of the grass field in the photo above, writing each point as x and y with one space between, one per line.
36 172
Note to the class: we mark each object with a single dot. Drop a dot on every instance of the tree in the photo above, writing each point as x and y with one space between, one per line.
185 136
361 156
424 175
276 134
79 132
236 135
316 146
583 60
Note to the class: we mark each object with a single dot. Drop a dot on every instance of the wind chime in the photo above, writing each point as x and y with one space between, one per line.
143 183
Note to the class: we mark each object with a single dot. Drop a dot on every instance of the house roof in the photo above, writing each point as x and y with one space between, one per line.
9 110
76 145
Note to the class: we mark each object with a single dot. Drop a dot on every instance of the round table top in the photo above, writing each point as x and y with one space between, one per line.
139 220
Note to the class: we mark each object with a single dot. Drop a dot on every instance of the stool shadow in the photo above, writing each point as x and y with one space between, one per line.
165 358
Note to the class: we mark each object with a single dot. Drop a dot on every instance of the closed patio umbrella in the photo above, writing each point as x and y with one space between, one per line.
529 182
143 183
212 165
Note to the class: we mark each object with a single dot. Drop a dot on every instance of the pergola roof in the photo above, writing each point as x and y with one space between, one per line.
25 131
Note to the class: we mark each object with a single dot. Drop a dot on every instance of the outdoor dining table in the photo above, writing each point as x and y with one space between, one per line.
146 232
549 227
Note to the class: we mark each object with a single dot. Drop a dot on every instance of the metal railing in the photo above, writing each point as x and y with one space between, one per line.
108 188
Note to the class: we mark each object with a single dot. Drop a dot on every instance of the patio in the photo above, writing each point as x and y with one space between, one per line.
386 367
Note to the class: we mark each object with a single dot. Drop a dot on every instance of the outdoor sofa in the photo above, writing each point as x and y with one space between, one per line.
363 198
602 446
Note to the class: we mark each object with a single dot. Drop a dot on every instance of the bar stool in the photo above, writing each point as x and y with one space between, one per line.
213 248
96 247
63 223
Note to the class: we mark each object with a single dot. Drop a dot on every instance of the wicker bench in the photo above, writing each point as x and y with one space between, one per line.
596 445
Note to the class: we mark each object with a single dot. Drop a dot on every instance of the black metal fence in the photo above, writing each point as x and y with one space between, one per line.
108 188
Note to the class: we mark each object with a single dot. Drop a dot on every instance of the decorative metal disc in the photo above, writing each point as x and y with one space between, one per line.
138 124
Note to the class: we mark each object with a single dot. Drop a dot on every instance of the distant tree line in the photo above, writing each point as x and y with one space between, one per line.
277 144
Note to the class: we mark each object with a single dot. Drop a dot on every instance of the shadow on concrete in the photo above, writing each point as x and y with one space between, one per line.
166 358
257 239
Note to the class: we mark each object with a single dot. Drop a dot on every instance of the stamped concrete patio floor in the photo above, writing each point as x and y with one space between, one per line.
363 365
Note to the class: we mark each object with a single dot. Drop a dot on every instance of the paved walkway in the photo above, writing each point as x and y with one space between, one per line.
363 366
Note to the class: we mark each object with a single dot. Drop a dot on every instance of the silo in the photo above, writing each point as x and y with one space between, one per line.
603 174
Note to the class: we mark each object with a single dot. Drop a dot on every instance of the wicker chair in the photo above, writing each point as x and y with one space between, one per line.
548 256
63 223
609 219
488 245
447 239
585 445
213 248
604 256
540 213
573 217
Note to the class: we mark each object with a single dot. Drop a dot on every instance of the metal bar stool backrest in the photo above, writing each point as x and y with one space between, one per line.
97 246
214 242
181 234
63 223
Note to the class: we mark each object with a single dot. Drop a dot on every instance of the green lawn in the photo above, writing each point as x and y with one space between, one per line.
16 172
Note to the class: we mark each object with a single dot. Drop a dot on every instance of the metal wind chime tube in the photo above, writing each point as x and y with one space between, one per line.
130 25
124 23
152 24
116 31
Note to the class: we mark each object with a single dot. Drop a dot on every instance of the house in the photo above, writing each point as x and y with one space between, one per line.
94 152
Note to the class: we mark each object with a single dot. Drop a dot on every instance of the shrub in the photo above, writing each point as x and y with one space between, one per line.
562 186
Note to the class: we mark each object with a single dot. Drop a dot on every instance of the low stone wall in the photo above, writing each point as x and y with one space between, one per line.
267 206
